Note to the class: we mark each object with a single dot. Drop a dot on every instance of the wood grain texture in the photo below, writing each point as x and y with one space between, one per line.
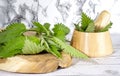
42 63
103 66
93 44
102 20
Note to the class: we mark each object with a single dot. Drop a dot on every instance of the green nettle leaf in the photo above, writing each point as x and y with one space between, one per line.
13 42
12 47
60 35
85 21
51 42
60 31
30 47
106 28
54 51
47 26
40 28
90 28
33 39
69 49
12 31
77 27
87 25
50 47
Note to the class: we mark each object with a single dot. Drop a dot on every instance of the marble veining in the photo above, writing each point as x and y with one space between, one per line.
56 11
28 10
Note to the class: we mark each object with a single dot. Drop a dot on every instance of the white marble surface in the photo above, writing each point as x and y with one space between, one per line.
104 66
56 11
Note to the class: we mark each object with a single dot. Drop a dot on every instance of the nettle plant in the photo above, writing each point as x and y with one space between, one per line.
13 41
101 24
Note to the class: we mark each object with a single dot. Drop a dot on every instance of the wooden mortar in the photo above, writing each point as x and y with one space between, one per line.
93 44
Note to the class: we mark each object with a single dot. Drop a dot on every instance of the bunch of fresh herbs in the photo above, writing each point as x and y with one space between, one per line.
87 25
14 42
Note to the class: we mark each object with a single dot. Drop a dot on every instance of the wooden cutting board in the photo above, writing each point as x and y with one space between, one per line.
42 63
